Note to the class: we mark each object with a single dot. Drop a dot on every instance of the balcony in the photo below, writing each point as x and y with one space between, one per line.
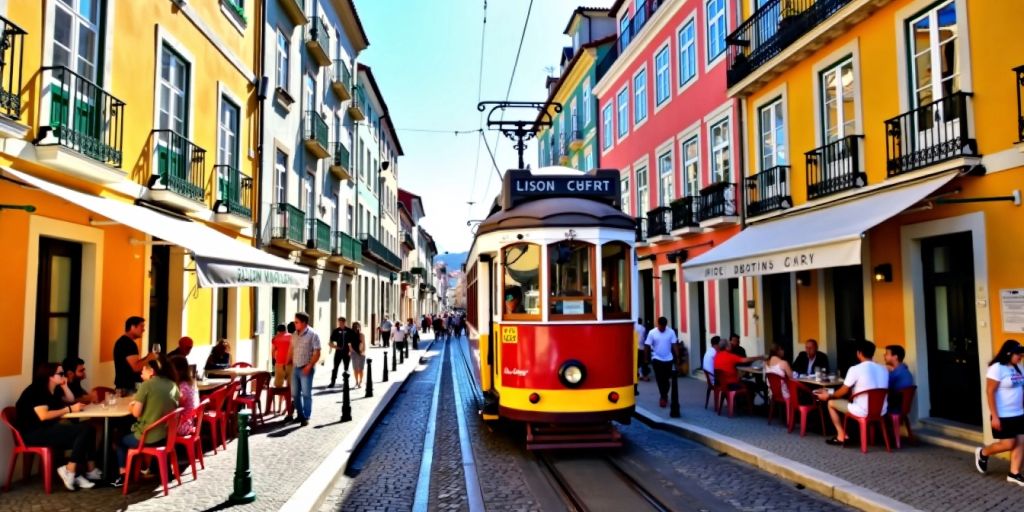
717 205
288 227
180 178
355 107
83 139
1019 71
234 203
340 166
684 216
377 251
406 277
318 41
642 14
776 26
641 232
659 223
563 150
420 271
318 238
835 167
294 10
314 134
408 241
768 191
11 49
341 80
346 250
931 134
575 139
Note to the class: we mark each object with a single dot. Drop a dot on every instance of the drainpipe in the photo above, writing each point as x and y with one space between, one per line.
257 181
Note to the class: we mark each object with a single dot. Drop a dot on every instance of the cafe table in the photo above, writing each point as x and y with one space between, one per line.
810 380
239 372
206 385
106 411
758 373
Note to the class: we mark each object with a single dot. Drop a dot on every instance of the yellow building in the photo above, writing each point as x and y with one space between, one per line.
884 167
127 145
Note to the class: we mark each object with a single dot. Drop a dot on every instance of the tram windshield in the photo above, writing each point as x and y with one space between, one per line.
521 281
571 279
615 257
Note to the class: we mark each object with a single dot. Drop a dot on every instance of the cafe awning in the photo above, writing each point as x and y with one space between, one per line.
221 261
820 238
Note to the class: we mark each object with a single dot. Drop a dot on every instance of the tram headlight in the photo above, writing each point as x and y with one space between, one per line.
572 373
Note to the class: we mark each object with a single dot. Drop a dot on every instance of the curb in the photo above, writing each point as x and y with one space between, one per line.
819 481
311 494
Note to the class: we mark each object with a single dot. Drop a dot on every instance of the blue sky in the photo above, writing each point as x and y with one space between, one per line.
425 55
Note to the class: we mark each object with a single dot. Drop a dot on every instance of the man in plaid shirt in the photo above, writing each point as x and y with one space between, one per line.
303 354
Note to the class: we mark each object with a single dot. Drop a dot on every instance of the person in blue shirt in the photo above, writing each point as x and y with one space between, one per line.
900 377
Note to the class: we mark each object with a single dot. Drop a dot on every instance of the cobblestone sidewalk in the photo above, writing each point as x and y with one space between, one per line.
282 456
925 477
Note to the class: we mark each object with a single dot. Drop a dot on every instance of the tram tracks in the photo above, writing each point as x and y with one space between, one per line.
593 483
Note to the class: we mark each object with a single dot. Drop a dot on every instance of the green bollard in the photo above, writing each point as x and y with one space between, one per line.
243 472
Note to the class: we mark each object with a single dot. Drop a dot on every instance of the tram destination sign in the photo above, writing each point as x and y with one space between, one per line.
599 185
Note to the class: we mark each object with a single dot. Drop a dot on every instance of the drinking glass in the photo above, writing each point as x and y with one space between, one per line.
156 348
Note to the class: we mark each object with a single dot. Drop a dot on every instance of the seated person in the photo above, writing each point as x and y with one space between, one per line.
220 356
39 412
74 373
810 359
735 347
513 301
184 348
864 376
778 365
157 396
899 375
726 363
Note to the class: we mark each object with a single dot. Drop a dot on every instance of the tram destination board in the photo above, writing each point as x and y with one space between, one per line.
599 185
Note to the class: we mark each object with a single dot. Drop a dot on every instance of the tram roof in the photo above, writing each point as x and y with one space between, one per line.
557 212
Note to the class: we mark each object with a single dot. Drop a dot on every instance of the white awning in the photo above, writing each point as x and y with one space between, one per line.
221 261
829 237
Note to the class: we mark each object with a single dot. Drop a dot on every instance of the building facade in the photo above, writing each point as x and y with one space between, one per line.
418 290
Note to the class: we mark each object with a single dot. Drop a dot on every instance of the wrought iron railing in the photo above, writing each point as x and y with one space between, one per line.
717 200
347 247
343 75
378 251
659 221
235 191
181 165
406 276
316 31
289 223
643 13
12 48
1019 71
835 167
929 134
407 240
420 271
315 128
768 190
318 235
684 212
772 28
83 117
341 156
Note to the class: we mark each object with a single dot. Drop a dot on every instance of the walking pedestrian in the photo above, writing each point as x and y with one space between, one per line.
339 343
385 332
1005 393
643 369
438 328
412 334
358 352
398 335
662 349
304 352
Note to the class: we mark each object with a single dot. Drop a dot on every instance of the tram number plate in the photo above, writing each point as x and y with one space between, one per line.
510 335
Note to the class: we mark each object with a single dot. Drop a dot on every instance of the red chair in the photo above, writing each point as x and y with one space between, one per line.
777 383
9 417
217 419
876 398
805 407
252 400
241 364
283 393
230 424
730 395
193 441
710 379
902 416
101 392
163 454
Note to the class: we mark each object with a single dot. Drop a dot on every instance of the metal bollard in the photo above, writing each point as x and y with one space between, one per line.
674 410
346 405
385 379
243 472
369 378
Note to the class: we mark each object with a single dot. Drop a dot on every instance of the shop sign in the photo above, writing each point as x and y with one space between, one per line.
823 256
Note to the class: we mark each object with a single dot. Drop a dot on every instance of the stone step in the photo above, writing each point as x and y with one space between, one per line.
951 429
938 438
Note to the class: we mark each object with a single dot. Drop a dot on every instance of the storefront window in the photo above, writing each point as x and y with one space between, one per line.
521 282
615 275
570 279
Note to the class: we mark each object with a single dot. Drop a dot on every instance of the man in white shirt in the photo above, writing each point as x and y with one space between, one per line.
642 368
398 335
864 376
708 363
662 349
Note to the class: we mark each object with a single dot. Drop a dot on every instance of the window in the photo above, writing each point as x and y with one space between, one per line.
570 279
624 30
280 177
935 66
521 282
691 167
309 200
642 199
838 114
350 221
173 92
575 122
623 106
615 273
624 194
606 126
227 148
309 92
76 36
661 76
640 97
773 135
588 101
668 182
687 53
282 60
716 28
720 158
589 166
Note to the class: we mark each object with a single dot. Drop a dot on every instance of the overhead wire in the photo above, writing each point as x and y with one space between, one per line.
480 118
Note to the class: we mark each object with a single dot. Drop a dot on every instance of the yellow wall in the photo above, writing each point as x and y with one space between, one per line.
807 312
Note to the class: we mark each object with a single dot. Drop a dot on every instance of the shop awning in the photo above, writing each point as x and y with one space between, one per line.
822 238
221 261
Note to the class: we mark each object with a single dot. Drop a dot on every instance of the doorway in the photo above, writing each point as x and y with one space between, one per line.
647 297
735 306
58 303
669 304
848 312
702 320
778 307
159 294
222 314
950 328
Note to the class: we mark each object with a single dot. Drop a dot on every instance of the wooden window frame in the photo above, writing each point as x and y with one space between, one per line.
540 286
627 283
592 297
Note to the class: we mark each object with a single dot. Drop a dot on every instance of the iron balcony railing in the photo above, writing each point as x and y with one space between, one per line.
347 247
772 28
356 109
659 221
12 48
407 240
181 165
406 276
642 14
316 31
289 223
235 191
341 156
717 200
1019 71
318 235
684 212
83 116
929 134
420 271
377 250
834 167
315 128
768 191
342 77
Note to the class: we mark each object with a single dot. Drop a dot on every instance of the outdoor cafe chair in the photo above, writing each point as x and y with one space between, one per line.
904 398
710 379
217 419
810 404
241 364
776 383
193 441
9 417
252 400
731 395
876 398
164 454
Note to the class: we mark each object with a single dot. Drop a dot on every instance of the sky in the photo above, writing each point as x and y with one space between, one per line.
425 55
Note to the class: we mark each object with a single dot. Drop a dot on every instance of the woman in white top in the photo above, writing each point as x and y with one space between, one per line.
778 365
1005 392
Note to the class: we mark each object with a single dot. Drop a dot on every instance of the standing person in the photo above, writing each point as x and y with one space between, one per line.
708 363
398 335
358 352
863 376
1005 393
661 347
282 368
304 352
127 363
385 332
39 410
157 396
643 368
412 334
437 326
425 324
340 344
74 374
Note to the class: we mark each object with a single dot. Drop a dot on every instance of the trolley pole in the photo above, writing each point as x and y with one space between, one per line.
520 131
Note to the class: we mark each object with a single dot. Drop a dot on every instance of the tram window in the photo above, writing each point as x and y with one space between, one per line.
521 282
570 274
615 279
